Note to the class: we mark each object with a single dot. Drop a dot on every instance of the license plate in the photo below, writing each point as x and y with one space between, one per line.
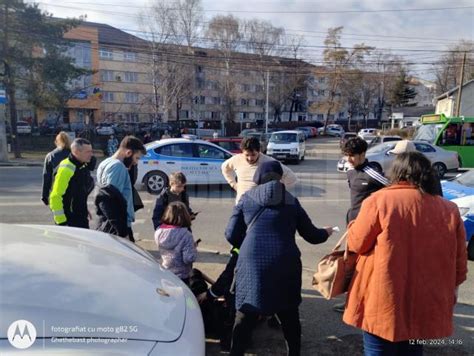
280 156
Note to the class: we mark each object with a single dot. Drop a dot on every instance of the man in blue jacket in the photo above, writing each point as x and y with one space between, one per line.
114 171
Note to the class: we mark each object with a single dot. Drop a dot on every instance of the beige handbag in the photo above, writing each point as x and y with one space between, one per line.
334 271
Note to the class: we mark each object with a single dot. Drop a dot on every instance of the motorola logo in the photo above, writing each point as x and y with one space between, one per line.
21 334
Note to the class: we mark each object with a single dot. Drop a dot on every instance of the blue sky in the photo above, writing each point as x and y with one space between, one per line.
417 35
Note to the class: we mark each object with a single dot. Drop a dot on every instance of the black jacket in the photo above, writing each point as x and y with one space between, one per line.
162 202
51 161
363 181
111 209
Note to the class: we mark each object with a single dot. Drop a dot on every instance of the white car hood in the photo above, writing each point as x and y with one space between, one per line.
66 280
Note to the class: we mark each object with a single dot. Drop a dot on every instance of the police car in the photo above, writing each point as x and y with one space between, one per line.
460 190
199 160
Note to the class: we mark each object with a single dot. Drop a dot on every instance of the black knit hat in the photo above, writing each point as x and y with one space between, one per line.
267 172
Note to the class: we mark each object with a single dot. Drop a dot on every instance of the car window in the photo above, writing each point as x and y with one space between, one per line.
388 139
207 151
423 147
228 145
176 150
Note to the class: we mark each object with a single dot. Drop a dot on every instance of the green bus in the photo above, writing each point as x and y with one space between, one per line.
451 133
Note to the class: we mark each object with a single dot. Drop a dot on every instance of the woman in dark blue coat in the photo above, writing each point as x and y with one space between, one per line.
268 273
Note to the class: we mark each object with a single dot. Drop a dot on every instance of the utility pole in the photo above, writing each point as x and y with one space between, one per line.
266 102
458 98
3 134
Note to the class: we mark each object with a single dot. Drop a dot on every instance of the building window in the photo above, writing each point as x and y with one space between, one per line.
259 116
215 115
107 96
130 56
131 97
244 115
244 102
320 117
106 75
131 117
322 80
259 88
131 77
322 92
259 102
106 53
216 100
341 114
184 114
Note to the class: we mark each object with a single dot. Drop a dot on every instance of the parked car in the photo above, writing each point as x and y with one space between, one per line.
308 131
23 128
345 137
104 129
382 139
199 160
460 190
230 144
79 291
331 130
262 138
287 146
442 160
246 131
363 132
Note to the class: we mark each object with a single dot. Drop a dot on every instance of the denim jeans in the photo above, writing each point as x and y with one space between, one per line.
376 346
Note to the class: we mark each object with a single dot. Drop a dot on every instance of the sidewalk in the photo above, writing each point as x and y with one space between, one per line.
36 159
323 332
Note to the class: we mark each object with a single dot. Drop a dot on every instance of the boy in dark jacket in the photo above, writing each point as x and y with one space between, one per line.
175 192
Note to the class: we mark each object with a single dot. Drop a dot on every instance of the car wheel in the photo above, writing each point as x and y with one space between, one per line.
156 181
470 249
302 157
440 169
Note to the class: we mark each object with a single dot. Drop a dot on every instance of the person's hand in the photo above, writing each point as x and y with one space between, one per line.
329 230
201 297
45 201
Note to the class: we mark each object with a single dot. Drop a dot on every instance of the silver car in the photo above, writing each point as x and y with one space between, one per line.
76 291
442 160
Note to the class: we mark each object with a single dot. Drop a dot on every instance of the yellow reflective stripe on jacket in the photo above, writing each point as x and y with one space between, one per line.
236 250
64 174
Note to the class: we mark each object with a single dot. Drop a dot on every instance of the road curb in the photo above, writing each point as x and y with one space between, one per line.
21 164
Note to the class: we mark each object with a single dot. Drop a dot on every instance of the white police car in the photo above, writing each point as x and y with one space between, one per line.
460 190
199 160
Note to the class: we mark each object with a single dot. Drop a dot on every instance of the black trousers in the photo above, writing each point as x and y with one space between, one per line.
78 222
245 323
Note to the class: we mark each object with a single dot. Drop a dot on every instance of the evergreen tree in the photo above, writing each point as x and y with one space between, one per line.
32 58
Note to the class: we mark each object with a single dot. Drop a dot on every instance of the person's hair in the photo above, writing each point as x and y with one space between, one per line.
177 177
176 214
132 143
250 144
62 140
354 146
416 169
78 143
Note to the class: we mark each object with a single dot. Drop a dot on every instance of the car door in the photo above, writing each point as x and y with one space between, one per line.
179 157
210 160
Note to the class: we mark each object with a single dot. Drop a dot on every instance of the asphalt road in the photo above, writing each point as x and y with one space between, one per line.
323 193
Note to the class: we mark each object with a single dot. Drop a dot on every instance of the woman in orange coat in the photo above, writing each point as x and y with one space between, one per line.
412 258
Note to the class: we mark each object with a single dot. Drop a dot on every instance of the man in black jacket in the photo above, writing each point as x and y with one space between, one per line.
111 211
364 179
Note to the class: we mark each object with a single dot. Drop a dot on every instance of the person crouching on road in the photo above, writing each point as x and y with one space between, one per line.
175 241
412 259
71 187
175 192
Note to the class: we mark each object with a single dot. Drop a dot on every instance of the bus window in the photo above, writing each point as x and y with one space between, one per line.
468 138
452 135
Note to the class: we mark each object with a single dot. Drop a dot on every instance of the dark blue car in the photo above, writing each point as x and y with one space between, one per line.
460 190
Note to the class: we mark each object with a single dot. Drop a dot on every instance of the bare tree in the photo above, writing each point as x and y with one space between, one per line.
339 61
226 34
449 66
168 25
